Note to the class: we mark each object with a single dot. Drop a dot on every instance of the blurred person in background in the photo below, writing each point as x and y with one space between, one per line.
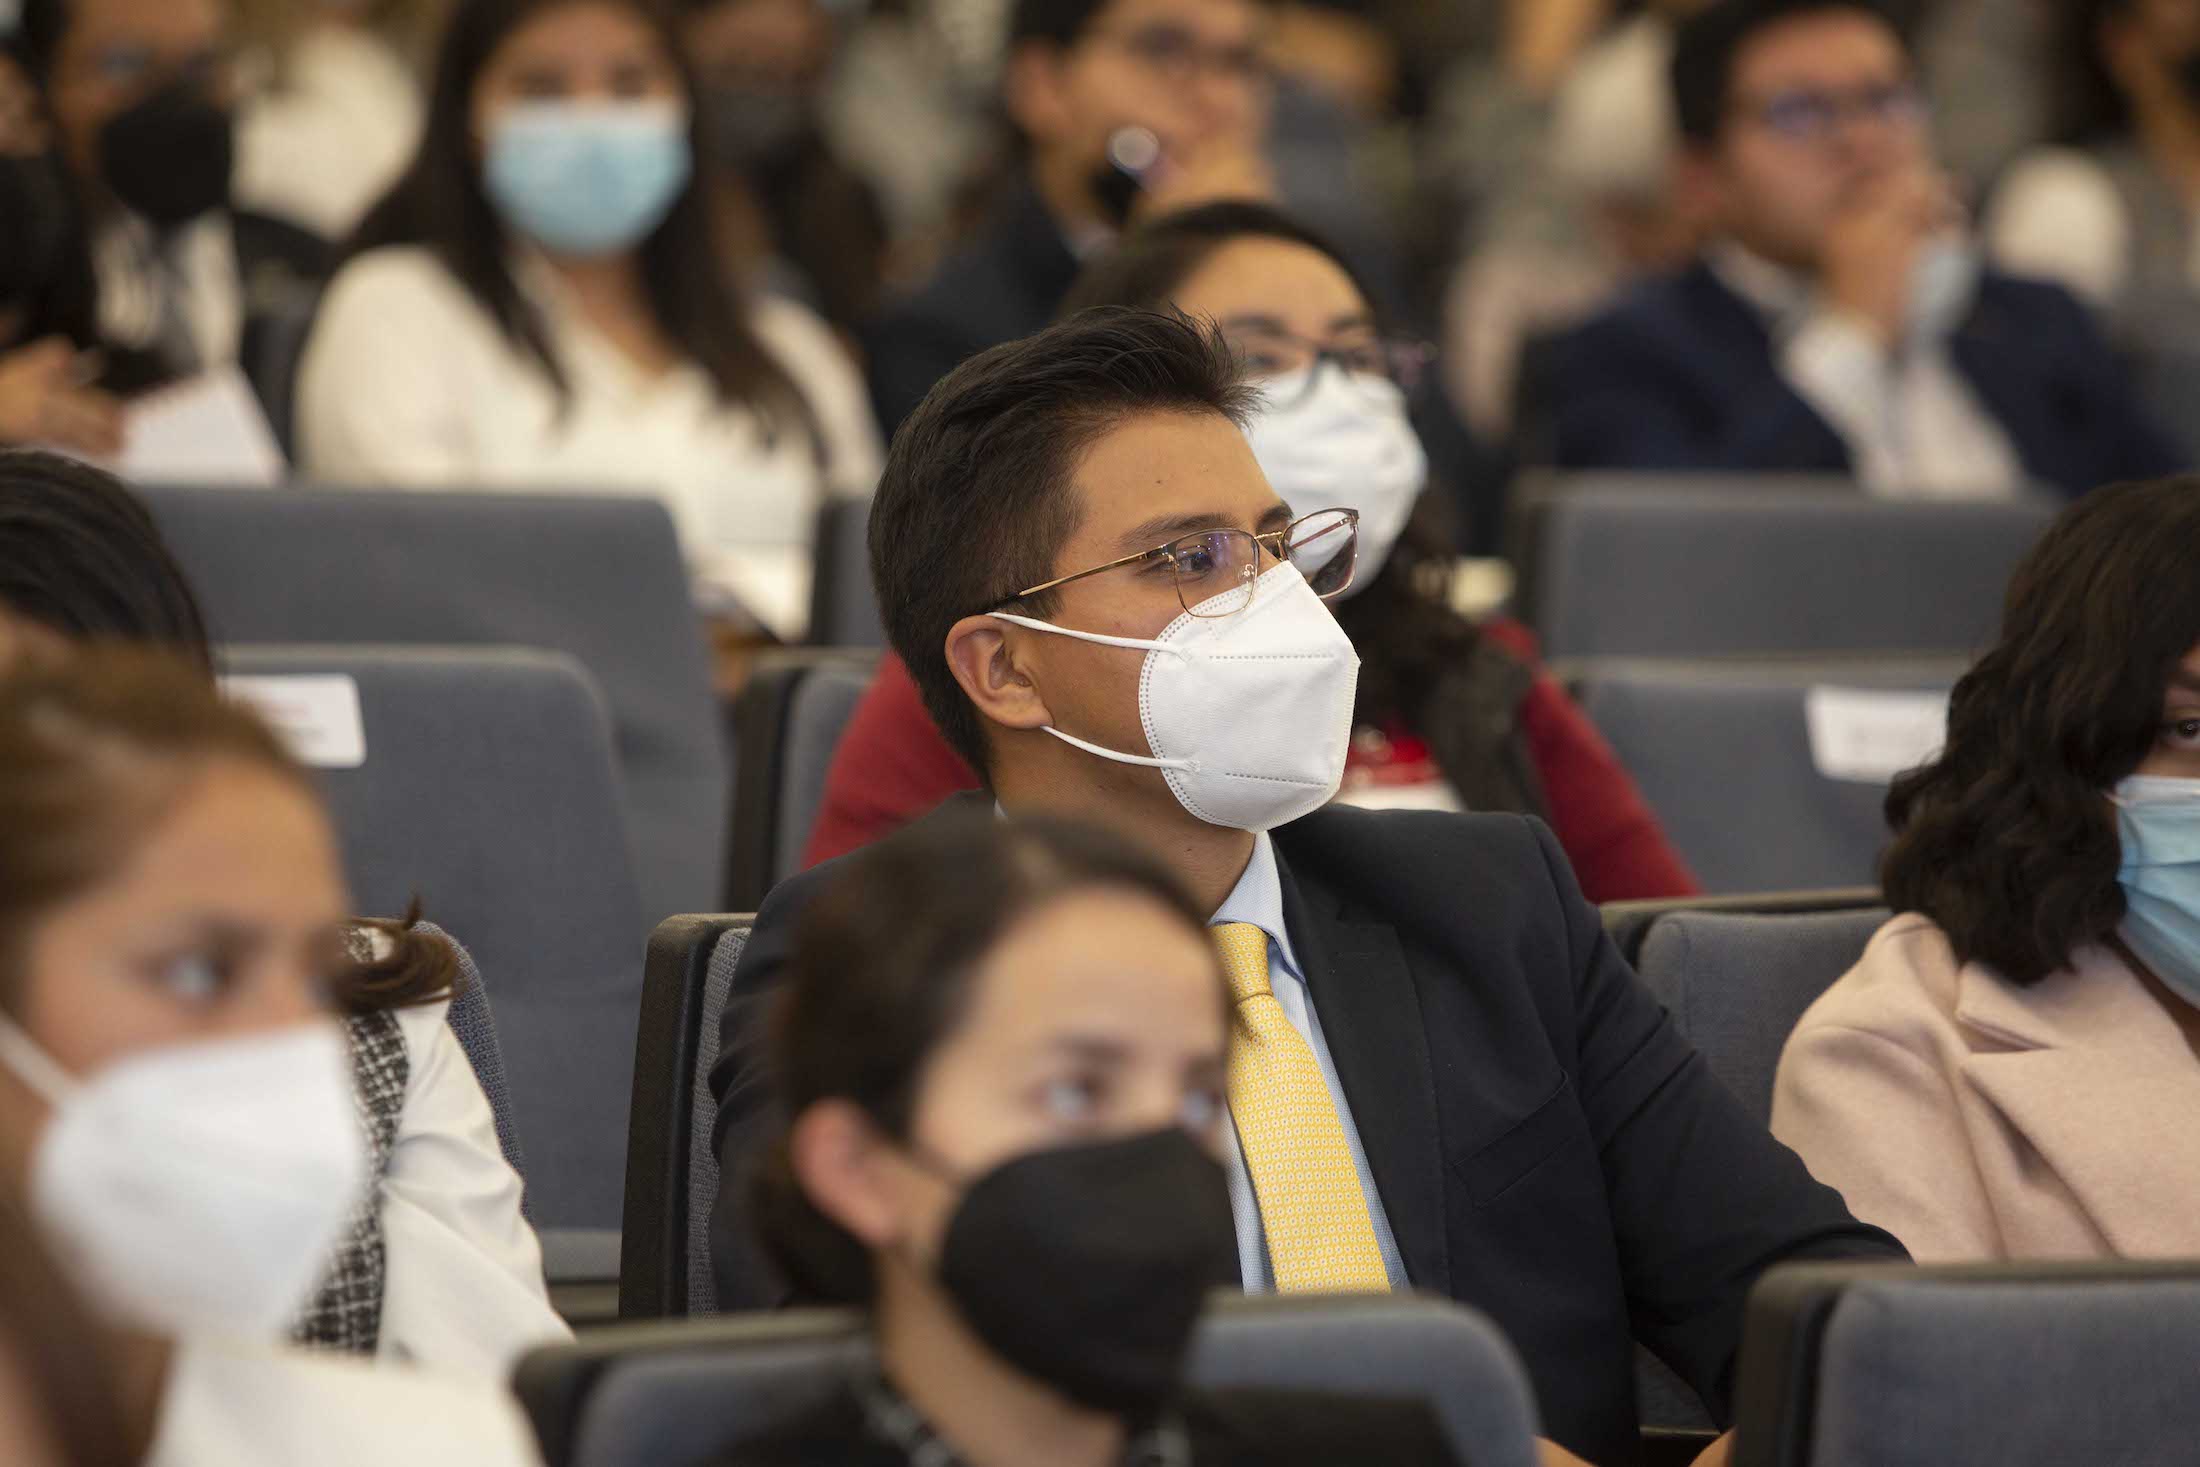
45 287
1839 321
1078 78
177 1100
1449 715
61 1397
2111 210
1002 1051
540 305
439 1267
797 218
2011 1069
143 98
336 112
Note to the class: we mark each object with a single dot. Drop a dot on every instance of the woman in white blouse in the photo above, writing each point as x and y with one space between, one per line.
200 1080
437 1265
539 305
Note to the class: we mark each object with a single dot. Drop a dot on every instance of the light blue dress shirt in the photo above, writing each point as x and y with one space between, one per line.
1258 899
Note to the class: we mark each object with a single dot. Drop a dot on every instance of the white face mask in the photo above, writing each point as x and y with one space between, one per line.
1345 442
199 1188
1249 716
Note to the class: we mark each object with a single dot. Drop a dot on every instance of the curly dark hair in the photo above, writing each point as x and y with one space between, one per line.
1401 618
2006 840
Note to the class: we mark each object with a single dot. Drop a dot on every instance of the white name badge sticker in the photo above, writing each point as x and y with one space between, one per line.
1870 735
317 716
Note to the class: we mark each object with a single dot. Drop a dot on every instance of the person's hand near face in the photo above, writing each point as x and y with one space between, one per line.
42 401
1874 243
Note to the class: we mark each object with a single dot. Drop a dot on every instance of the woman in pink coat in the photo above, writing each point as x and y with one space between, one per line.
2013 1068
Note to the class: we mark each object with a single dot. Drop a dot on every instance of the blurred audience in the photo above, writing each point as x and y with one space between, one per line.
438 1267
1174 92
1448 715
2011 1069
1839 321
61 1397
143 97
177 1094
540 305
1002 1052
2109 211
798 219
336 114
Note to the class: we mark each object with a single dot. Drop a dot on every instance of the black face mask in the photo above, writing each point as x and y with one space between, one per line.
1086 1266
169 158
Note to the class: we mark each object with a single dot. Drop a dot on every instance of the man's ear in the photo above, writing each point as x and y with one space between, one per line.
1034 90
842 1164
981 652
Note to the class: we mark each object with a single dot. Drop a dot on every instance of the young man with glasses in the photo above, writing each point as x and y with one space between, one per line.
1443 1075
1078 76
1839 321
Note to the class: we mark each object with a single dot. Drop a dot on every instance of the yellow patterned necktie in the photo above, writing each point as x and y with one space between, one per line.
1320 1234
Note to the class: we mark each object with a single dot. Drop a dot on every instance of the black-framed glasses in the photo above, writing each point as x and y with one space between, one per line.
1214 571
1269 352
1809 115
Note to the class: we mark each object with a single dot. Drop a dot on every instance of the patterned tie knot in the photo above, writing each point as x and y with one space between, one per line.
1244 950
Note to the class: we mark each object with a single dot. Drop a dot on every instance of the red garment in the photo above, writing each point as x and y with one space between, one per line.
892 766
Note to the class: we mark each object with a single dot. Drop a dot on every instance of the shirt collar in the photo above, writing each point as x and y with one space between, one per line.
1258 899
1778 294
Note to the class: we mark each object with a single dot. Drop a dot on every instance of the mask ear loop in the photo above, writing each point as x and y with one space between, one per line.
33 1066
1135 644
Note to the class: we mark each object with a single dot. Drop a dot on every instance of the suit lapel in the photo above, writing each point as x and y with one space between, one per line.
2100 1082
1370 1015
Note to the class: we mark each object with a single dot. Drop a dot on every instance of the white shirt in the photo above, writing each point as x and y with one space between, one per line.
236 1406
1913 426
408 383
1258 899
463 1291
195 277
322 145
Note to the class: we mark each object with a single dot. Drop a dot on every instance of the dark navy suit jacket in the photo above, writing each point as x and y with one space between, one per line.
1679 376
1547 1146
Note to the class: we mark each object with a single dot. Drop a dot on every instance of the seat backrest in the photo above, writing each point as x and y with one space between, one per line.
1726 755
671 1165
1999 1365
1737 985
843 607
474 1024
788 721
1662 572
600 579
487 788
666 1396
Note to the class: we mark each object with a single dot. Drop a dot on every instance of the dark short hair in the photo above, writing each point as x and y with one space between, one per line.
1063 22
2006 839
80 555
1709 45
881 978
2088 103
977 495
441 205
1149 264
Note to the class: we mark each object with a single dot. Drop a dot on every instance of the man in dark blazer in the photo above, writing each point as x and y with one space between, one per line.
1077 71
1839 321
1531 1134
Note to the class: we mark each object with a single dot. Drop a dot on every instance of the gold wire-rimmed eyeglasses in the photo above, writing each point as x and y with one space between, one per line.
1215 570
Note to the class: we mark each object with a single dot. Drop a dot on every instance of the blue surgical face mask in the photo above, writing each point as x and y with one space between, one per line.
587 178
2158 821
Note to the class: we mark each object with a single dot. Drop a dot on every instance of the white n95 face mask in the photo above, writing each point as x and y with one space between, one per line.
199 1189
1344 442
1249 716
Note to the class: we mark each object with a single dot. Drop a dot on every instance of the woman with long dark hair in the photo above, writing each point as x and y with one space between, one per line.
1001 1049
1450 714
539 305
2012 1069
